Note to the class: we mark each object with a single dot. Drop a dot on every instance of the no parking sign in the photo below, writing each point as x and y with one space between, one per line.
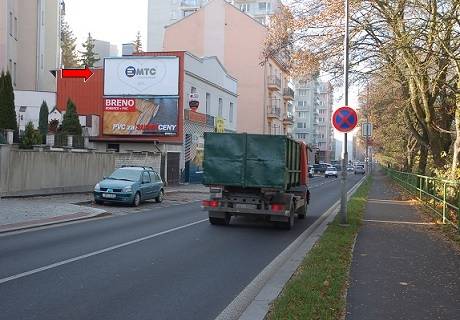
345 119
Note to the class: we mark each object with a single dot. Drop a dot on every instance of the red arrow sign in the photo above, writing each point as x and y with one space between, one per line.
77 73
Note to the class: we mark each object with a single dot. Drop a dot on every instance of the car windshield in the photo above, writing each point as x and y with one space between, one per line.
331 168
125 174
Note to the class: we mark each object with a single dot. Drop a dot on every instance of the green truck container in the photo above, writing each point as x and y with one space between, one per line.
243 160
254 174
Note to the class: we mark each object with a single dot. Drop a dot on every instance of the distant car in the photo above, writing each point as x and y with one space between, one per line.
311 171
359 169
331 172
130 185
350 168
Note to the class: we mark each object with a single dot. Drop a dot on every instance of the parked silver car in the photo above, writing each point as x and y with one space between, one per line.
359 169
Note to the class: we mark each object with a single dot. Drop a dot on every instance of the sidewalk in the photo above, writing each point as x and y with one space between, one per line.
28 212
401 268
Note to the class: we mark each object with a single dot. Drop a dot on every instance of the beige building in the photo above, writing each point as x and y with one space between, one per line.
162 13
217 29
29 42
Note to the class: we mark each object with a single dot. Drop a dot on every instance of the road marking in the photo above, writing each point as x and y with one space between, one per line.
91 254
401 222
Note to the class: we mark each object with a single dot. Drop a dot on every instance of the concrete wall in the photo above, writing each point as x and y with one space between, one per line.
27 172
24 172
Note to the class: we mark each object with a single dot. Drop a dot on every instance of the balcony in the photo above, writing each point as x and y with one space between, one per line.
288 119
274 83
288 94
273 111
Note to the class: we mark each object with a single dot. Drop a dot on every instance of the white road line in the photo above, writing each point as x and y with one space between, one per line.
91 254
400 222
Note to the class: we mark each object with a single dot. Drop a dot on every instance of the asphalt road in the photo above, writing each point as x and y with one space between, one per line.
166 263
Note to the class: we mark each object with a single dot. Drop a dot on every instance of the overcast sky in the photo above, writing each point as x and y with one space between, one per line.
116 21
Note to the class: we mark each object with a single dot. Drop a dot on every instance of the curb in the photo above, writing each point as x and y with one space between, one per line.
254 301
48 222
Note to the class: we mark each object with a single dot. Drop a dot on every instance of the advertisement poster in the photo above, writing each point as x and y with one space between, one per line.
141 76
155 116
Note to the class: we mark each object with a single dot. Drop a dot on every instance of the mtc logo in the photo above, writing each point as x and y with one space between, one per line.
132 71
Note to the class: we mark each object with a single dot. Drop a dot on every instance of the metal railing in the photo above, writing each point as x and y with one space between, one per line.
273 110
274 81
442 196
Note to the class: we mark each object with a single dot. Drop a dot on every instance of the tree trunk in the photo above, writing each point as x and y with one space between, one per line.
456 155
423 160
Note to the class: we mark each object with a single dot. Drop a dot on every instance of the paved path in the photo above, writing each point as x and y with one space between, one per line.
402 268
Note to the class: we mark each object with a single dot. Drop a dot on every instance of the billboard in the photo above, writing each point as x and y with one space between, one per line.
141 76
126 116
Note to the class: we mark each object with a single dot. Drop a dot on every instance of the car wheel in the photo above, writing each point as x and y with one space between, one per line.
137 199
99 201
160 197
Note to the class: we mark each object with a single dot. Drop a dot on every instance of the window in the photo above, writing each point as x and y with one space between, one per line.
264 6
303 92
154 176
301 125
113 146
10 24
302 114
302 136
302 104
208 103
192 90
145 177
221 107
322 111
244 7
230 112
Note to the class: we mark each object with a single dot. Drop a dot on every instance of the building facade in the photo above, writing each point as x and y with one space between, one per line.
313 113
30 42
215 30
150 112
162 13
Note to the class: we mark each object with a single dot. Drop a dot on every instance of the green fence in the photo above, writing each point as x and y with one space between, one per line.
442 196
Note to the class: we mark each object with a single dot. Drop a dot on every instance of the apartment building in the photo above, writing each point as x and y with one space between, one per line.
313 112
30 42
162 13
264 97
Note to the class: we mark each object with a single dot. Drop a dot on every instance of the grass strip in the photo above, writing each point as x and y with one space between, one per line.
316 291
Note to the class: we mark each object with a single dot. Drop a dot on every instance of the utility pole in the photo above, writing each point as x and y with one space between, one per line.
367 130
343 199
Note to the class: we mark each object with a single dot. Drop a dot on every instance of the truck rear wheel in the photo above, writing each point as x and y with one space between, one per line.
290 223
302 212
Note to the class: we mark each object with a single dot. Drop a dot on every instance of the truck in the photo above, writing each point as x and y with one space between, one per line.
255 175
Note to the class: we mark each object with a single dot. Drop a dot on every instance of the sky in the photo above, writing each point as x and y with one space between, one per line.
116 21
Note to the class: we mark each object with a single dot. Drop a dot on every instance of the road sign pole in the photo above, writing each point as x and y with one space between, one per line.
343 198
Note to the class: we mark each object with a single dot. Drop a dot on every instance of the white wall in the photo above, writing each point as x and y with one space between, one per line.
159 14
208 76
32 100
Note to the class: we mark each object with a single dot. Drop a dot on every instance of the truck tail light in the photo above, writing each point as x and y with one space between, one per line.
277 207
210 203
